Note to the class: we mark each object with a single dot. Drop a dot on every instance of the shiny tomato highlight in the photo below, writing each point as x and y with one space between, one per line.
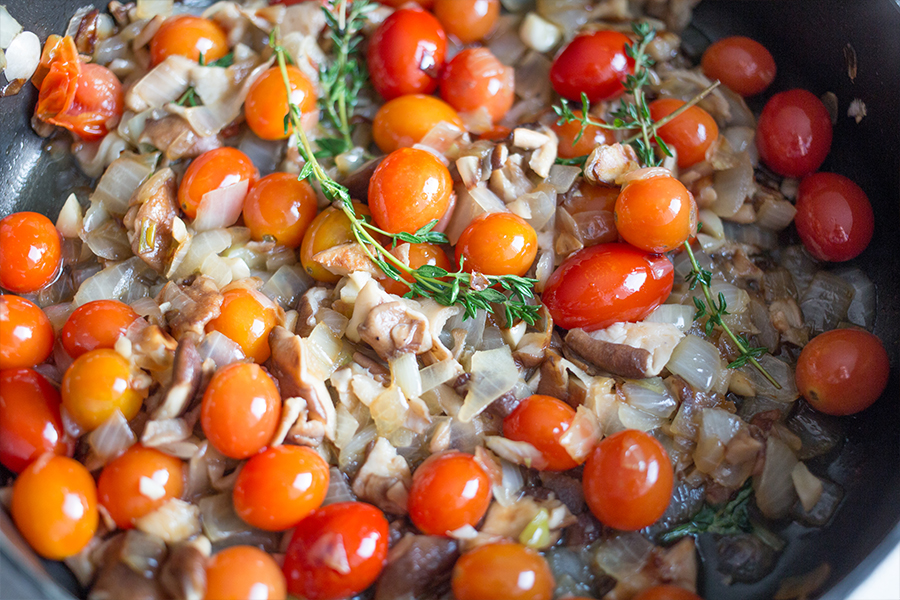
212 170
834 217
657 214
96 385
267 102
241 572
26 335
467 20
497 244
793 134
404 121
408 190
30 423
30 252
475 80
449 490
96 324
280 206
189 36
594 64
406 53
690 134
247 317
741 64
502 570
542 421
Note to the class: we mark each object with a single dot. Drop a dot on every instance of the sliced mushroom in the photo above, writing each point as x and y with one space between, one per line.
344 259
190 308
309 304
384 479
417 565
607 163
151 212
175 138
393 328
187 373
183 576
634 350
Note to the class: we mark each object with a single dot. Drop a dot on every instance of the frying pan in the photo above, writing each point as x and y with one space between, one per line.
808 39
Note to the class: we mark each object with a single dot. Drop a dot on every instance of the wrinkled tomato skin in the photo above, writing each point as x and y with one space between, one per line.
793 134
30 422
605 284
593 63
406 54
842 371
834 217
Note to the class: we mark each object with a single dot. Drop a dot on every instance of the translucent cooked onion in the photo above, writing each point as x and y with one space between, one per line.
405 373
733 186
220 349
800 265
111 439
508 490
696 361
679 315
781 371
202 245
775 214
582 435
862 308
326 352
338 488
632 418
774 487
120 180
116 282
352 454
826 301
752 235
736 299
220 522
345 427
809 487
494 373
22 56
440 372
9 28
624 555
221 207
649 395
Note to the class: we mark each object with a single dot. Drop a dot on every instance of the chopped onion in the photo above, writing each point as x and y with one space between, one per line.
624 555
774 486
221 207
862 308
800 265
781 372
116 282
9 28
582 435
508 490
120 180
326 352
70 219
345 427
562 177
696 361
440 372
405 374
494 373
220 522
352 455
202 245
174 521
520 453
649 395
287 285
632 418
22 56
679 315
733 186
474 327
220 349
826 301
111 439
752 235
775 214
147 9
165 83
338 488
808 486
106 238
736 299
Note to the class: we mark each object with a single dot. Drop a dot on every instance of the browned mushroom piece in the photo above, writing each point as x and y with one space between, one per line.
173 136
392 328
618 359
152 209
191 307
384 479
633 350
417 566
183 576
187 372
309 304
348 258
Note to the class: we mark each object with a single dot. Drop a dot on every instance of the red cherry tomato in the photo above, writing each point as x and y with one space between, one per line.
467 20
667 592
497 244
426 4
282 207
409 189
138 482
337 551
502 570
628 480
448 491
240 410
29 252
241 572
406 53
247 317
834 217
213 170
594 64
29 419
54 506
842 371
94 325
656 214
96 385
280 487
26 335
691 133
85 98
793 134
592 137
741 64
607 283
189 36
475 79
541 421
267 102
419 255
404 121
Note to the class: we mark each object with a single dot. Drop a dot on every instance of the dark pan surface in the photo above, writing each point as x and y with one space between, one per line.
808 40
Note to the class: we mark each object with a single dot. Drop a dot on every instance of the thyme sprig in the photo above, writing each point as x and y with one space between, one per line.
342 79
636 115
471 291
190 97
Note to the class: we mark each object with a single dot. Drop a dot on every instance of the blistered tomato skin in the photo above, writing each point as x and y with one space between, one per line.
542 421
594 64
656 214
121 488
241 572
607 283
213 170
189 36
842 371
406 53
502 570
409 189
741 64
793 134
96 324
834 217
54 506
26 335
30 423
448 491
30 252
628 480
691 133
362 531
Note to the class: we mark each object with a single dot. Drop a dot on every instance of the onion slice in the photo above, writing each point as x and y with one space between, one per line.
221 207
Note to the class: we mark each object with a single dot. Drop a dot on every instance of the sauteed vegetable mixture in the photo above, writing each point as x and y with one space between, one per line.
435 300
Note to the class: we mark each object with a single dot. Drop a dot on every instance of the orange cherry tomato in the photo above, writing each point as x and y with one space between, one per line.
29 419
247 318
656 214
409 189
96 324
267 102
691 133
475 79
741 64
361 531
541 421
138 482
497 244
842 371
667 592
96 385
601 285
595 64
280 206
448 491
54 506
189 36
628 480
241 572
404 121
213 170
240 410
330 228
85 98
406 53
29 252
502 570
419 255
280 487
26 335
467 20
592 137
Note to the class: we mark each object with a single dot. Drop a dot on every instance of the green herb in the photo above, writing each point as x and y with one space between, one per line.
472 292
190 97
343 79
